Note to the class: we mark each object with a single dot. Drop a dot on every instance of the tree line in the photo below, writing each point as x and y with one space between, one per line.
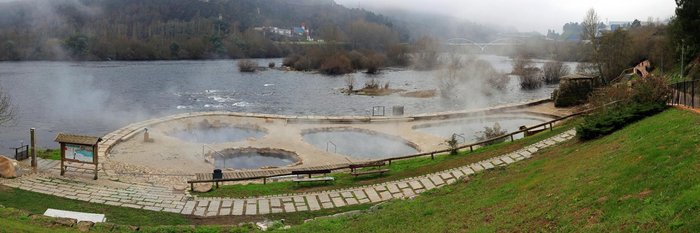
167 29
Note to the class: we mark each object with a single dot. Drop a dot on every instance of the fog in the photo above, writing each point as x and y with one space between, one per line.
526 15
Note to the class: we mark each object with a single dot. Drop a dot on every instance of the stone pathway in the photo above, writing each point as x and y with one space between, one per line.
116 194
164 199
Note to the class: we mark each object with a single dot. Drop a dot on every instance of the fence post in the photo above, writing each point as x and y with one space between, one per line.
471 148
692 94
432 155
511 138
685 93
33 149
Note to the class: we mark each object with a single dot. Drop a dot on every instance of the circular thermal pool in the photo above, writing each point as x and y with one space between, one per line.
250 158
359 143
470 129
207 133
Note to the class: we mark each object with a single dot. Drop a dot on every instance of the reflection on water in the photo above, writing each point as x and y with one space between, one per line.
360 145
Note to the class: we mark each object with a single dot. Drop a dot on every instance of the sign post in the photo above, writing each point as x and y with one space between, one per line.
78 149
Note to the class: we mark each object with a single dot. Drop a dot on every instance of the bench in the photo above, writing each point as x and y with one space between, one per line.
354 167
324 179
310 172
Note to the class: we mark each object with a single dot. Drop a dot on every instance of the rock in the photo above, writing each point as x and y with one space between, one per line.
7 167
265 225
179 187
69 222
84 226
203 187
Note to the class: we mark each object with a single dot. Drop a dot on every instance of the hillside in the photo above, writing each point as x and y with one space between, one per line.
642 178
163 29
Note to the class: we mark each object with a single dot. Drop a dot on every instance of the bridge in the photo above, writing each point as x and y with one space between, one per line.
481 45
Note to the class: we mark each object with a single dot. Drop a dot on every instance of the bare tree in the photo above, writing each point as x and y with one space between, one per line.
553 71
6 108
590 25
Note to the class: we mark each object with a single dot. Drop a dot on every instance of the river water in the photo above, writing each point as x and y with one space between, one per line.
95 98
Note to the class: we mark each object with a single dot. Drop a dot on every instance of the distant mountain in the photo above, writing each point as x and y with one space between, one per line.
162 29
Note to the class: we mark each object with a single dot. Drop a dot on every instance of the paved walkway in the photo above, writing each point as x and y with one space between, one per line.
165 199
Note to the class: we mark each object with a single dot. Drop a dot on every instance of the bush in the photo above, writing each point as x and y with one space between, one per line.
607 122
335 65
553 71
646 97
291 60
530 78
271 65
374 62
246 65
491 132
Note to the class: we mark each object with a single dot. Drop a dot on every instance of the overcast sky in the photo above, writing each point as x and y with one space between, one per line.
529 15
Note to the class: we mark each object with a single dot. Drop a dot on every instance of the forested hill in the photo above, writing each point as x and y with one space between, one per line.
167 29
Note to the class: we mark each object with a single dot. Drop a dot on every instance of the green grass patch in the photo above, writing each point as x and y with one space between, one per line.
398 169
644 177
52 154
38 203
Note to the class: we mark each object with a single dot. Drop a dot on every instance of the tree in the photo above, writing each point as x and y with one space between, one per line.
685 28
589 26
6 108
427 53
78 45
617 55
636 23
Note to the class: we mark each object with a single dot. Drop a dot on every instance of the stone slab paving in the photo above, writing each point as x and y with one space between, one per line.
156 198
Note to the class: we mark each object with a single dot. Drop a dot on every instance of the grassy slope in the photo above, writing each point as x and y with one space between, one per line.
642 178
398 170
38 203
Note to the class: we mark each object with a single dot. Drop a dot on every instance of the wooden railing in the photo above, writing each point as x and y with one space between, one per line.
547 125
471 146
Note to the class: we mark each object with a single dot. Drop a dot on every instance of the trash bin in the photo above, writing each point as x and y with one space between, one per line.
217 174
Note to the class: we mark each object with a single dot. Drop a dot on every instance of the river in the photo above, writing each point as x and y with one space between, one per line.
95 98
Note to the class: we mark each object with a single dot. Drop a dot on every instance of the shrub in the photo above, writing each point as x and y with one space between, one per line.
271 65
553 71
291 60
491 132
335 65
607 122
452 143
530 78
302 64
646 97
350 83
357 59
374 62
246 65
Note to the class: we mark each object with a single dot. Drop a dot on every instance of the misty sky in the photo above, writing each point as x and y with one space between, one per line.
529 15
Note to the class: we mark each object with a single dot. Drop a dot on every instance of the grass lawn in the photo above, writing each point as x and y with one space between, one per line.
52 154
38 203
398 170
645 177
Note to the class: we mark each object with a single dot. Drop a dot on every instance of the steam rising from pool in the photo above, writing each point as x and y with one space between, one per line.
208 134
248 158
357 143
